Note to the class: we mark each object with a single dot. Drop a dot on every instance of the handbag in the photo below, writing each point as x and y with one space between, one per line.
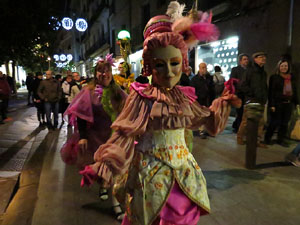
295 134
296 131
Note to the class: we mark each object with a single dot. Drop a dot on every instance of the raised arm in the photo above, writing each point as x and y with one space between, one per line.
216 116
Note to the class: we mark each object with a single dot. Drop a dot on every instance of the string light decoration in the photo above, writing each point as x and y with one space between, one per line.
81 24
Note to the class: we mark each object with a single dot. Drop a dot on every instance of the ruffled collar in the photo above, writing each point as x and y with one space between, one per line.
171 108
164 94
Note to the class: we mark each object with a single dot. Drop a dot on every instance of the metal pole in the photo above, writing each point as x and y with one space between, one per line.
290 28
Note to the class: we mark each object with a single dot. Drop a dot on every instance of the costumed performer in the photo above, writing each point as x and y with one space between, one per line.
165 185
125 78
92 112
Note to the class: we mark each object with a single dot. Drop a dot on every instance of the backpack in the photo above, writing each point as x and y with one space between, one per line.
219 86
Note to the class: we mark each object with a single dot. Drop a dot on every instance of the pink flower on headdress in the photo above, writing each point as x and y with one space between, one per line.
108 58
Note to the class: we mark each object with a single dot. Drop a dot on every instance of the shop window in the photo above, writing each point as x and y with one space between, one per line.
221 53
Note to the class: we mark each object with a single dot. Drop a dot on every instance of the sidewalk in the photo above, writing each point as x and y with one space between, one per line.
49 191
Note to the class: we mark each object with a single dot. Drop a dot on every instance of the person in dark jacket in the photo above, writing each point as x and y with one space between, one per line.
39 104
186 77
4 96
256 94
204 88
29 85
282 96
239 73
50 92
254 89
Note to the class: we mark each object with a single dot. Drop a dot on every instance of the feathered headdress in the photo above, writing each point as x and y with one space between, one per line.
194 27
108 58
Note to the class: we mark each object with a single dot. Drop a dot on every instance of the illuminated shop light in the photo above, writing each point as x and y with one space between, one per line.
210 67
232 40
232 53
218 55
215 44
223 55
227 54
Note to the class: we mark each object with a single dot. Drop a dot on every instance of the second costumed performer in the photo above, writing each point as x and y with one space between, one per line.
92 112
165 185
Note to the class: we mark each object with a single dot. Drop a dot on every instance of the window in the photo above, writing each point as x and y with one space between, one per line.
221 53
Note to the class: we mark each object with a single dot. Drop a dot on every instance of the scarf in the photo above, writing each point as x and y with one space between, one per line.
287 86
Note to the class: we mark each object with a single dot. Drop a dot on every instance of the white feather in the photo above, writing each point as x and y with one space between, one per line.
175 10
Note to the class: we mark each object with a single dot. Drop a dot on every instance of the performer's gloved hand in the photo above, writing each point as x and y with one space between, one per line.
89 176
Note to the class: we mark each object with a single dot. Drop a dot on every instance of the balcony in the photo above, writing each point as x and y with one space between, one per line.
97 12
98 44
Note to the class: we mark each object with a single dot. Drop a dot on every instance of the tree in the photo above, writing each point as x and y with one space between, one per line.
28 31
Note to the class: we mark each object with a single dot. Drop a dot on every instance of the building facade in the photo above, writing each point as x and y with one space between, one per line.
258 25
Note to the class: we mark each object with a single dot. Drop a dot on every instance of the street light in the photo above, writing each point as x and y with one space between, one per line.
49 59
124 42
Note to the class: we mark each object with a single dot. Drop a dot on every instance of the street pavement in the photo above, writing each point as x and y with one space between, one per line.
37 188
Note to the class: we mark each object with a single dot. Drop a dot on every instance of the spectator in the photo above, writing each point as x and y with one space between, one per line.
204 88
66 87
282 96
239 73
256 93
4 96
29 85
141 78
190 73
294 156
61 103
186 77
218 81
50 92
76 85
11 83
38 102
184 80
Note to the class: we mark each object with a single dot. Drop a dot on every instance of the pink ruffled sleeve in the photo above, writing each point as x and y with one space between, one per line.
81 107
116 154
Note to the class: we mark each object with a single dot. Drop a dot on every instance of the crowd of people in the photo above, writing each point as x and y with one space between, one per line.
250 82
134 137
